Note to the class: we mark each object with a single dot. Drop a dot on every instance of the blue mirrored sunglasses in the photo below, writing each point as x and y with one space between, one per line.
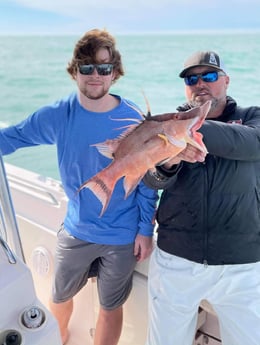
102 69
207 77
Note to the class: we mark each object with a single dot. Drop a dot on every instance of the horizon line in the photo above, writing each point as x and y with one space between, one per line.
145 32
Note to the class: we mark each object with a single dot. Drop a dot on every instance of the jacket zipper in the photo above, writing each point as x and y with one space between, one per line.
205 215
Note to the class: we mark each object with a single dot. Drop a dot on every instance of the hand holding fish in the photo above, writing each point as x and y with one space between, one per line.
142 146
189 154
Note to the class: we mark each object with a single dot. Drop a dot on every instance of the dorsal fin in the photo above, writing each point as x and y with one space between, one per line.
136 109
148 115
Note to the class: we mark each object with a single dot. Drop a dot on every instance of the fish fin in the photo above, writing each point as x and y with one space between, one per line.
109 147
148 115
130 184
102 190
136 109
181 143
127 119
129 129
163 137
106 150
173 141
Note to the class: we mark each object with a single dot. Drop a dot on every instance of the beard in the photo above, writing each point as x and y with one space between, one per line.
94 93
198 101
95 96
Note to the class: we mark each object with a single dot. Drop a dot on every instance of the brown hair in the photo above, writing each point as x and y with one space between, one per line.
87 47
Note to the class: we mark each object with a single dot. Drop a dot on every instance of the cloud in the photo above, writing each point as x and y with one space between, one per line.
120 16
83 8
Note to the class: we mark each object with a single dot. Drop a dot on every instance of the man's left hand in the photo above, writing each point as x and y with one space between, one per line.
143 247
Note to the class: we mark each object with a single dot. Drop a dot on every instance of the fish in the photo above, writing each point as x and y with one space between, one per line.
142 146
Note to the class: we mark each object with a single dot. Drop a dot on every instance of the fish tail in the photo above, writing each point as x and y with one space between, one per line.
101 187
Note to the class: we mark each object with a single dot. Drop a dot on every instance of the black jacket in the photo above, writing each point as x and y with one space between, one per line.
210 212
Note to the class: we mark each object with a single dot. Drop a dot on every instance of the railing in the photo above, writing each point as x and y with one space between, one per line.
8 226
29 189
10 256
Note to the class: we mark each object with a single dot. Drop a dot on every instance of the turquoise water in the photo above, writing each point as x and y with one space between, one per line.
33 73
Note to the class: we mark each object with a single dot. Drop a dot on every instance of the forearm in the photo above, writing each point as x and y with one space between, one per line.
147 202
161 177
6 147
232 141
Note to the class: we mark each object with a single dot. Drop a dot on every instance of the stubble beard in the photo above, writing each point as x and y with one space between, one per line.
94 96
198 102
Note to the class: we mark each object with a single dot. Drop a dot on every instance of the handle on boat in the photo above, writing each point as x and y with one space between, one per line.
8 251
32 190
7 216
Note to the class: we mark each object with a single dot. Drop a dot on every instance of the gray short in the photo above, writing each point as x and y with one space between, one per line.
114 264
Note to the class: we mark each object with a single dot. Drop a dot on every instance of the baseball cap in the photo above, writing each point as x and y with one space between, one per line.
203 58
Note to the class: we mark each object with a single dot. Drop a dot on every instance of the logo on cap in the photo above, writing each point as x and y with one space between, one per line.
212 59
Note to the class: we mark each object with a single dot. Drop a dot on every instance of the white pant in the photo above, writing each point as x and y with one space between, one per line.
176 288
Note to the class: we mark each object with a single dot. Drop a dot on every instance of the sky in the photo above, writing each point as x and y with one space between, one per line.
127 16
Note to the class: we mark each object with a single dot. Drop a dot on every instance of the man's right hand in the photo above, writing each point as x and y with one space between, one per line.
189 154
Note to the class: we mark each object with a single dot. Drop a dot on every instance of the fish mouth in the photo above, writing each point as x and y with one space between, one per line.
198 120
195 138
195 124
192 136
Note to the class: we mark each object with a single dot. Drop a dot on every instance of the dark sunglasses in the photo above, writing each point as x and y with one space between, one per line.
102 69
207 77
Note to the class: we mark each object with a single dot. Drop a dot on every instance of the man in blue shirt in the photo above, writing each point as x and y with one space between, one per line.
123 234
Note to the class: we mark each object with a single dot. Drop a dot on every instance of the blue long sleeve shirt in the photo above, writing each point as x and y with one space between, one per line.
74 130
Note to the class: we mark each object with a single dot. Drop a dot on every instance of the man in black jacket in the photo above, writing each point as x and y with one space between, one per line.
209 219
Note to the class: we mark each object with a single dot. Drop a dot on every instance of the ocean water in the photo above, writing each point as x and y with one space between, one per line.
33 73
